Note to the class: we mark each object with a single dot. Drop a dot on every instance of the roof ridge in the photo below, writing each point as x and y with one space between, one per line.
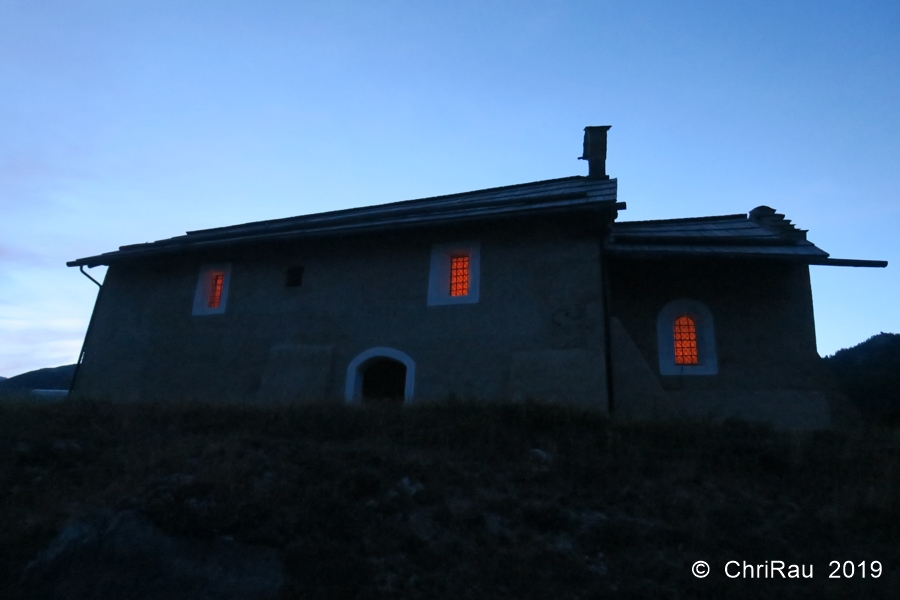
539 197
400 203
776 223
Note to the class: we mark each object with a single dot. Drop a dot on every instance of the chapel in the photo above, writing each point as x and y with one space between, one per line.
534 291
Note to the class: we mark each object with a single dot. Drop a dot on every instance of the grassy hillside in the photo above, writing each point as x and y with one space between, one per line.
460 501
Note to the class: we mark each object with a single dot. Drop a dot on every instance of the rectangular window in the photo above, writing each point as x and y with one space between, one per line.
455 273
459 275
294 277
216 283
211 296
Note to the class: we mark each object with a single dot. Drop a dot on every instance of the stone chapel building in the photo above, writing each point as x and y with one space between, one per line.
530 291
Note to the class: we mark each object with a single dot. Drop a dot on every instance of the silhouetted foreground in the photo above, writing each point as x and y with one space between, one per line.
442 501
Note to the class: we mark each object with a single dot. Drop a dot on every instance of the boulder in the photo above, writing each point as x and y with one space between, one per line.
114 555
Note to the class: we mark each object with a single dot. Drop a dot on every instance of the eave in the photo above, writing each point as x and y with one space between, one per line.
760 234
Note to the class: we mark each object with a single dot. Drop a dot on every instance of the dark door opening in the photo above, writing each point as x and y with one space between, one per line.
384 382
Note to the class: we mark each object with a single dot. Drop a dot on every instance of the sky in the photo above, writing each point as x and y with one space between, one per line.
128 121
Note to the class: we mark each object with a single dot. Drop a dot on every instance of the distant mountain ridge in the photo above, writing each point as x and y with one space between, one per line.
869 374
54 378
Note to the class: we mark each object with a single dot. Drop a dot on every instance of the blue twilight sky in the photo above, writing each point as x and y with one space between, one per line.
127 121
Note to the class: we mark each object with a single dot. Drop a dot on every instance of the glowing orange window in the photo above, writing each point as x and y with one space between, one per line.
216 283
685 341
459 275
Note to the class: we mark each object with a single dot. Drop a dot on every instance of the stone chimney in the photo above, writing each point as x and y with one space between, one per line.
595 150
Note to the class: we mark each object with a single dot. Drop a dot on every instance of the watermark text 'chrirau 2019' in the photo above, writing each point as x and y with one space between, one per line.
769 569
775 569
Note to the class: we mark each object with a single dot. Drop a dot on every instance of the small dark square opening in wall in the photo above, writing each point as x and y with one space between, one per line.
294 277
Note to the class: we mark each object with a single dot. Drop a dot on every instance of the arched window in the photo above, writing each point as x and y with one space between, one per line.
685 336
686 339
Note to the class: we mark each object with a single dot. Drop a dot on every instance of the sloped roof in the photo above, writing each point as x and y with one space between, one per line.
763 233
554 195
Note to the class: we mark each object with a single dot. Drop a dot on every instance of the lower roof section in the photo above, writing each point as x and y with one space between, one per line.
762 233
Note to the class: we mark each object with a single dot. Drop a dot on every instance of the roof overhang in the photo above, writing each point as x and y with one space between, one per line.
783 253
761 234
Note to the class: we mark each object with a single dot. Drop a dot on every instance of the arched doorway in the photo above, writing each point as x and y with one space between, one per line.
380 375
383 382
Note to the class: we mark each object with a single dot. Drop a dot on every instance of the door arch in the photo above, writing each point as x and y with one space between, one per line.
378 370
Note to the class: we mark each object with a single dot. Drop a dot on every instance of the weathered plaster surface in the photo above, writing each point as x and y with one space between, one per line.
768 367
539 292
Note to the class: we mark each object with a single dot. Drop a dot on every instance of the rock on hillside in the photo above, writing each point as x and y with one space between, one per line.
121 554
869 373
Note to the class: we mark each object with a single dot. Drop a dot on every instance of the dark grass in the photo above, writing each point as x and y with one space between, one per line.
618 510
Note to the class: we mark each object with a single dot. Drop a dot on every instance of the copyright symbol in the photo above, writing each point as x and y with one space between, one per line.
700 569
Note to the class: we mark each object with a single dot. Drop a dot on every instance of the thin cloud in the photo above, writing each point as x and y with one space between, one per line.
30 180
25 167
16 256
53 353
26 347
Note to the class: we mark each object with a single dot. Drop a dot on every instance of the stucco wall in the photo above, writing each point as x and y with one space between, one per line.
540 292
768 367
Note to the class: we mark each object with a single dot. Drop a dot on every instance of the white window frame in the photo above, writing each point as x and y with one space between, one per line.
706 340
204 283
439 274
